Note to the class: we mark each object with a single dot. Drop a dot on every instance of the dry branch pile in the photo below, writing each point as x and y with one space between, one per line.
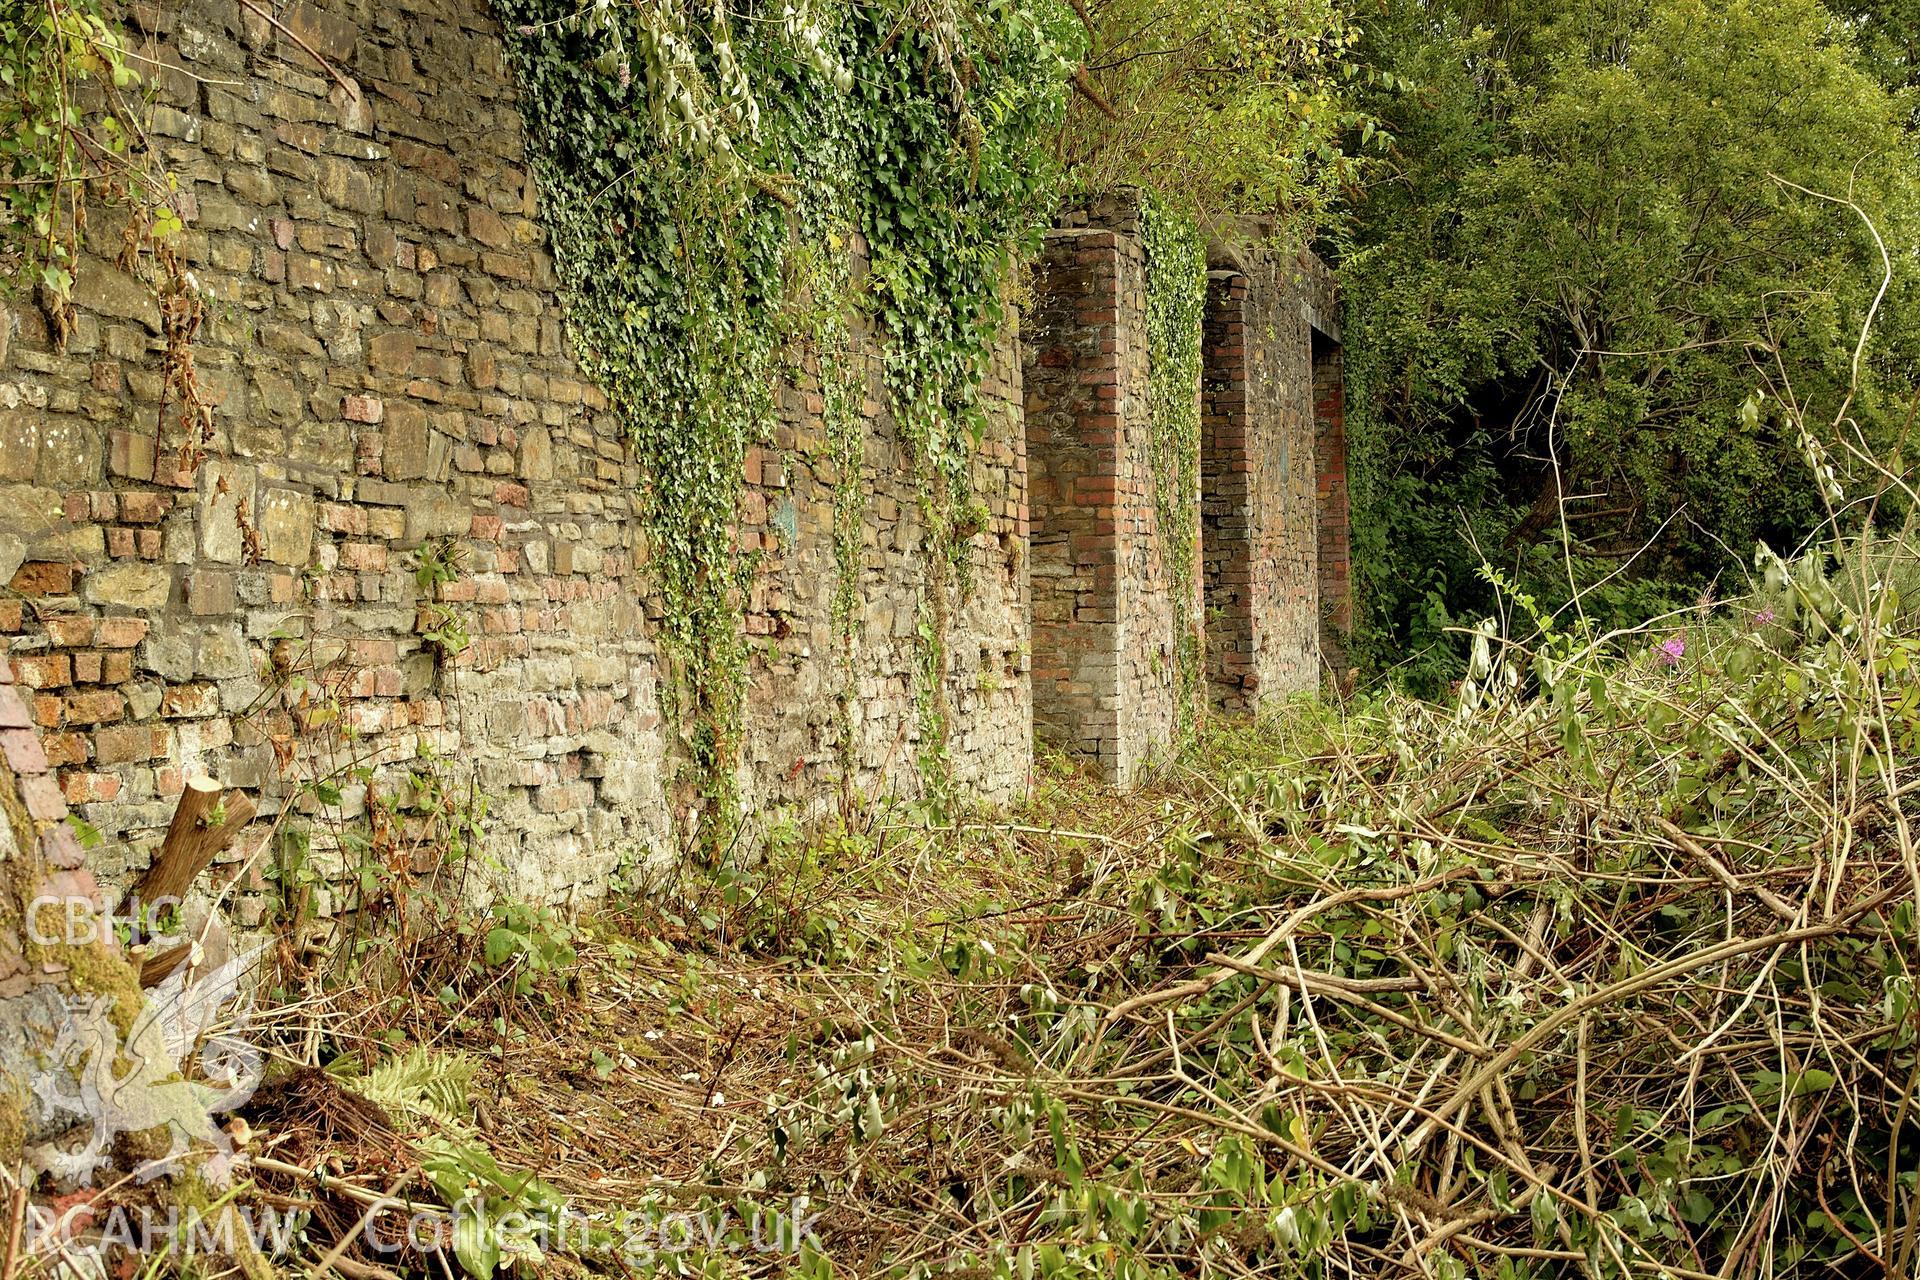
1606 971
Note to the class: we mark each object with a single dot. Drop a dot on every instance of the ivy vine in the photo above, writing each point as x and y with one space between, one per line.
690 161
1176 268
70 129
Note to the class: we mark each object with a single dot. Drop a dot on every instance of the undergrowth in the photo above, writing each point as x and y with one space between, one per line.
1603 969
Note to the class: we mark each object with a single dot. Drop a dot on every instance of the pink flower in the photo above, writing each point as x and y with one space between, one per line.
1671 651
1763 617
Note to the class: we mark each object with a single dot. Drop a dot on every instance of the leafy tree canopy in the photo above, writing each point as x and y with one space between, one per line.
1239 106
1586 254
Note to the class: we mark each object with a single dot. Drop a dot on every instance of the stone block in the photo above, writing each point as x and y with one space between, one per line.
563 797
169 655
224 485
325 33
409 447
13 552
223 655
346 185
536 454
103 288
432 513
286 520
392 352
130 584
210 592
488 228
130 454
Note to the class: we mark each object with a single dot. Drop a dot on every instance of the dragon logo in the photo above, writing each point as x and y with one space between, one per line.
182 1063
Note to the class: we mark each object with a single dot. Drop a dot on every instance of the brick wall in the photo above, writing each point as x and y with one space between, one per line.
385 354
40 858
1258 469
1332 546
1105 678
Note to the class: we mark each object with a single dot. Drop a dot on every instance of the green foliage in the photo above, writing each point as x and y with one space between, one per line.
1887 33
1222 108
1176 262
64 120
680 203
1581 267
1582 942
436 563
423 1085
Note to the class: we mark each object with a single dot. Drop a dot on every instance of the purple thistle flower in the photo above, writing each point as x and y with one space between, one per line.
1671 651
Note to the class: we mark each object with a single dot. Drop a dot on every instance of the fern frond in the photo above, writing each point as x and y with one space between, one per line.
423 1084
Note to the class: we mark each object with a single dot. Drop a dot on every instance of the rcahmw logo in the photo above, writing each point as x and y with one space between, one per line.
183 1061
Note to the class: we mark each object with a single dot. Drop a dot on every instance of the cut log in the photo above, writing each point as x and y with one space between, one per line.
154 970
202 826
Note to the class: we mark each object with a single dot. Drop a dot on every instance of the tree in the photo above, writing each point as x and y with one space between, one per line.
1221 108
1583 263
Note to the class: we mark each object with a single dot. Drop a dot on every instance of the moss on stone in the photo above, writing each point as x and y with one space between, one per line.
13 1116
97 969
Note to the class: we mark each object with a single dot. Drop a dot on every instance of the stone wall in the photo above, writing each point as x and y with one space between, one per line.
398 566
1258 514
796 717
392 395
1105 677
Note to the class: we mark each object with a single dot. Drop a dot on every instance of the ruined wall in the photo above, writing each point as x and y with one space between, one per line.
392 394
1258 512
798 670
1333 552
1105 678
41 870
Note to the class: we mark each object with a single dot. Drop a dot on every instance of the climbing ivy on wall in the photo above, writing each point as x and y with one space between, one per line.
70 130
689 162
1176 262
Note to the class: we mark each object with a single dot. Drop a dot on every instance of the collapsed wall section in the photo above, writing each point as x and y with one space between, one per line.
1106 684
397 574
